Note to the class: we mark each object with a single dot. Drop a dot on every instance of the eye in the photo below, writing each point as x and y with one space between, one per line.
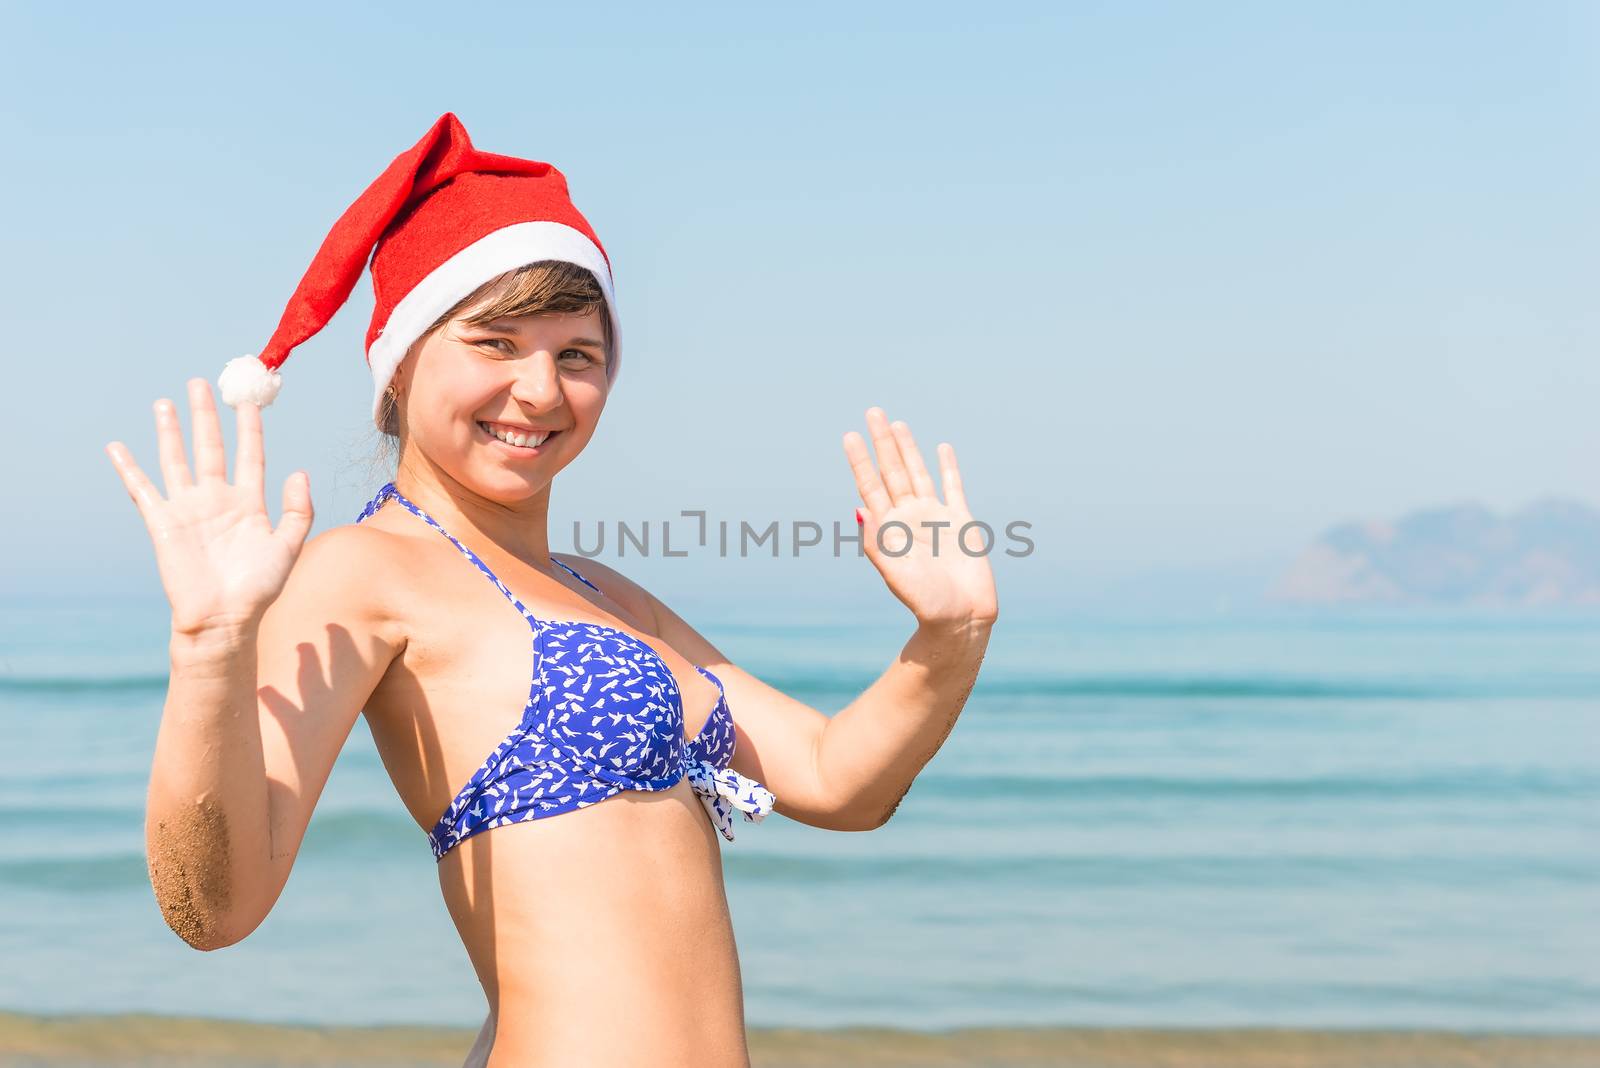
510 347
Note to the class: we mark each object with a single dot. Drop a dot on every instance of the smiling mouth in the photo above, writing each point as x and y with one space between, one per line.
526 442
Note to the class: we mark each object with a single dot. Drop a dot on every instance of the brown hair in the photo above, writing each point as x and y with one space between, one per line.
552 287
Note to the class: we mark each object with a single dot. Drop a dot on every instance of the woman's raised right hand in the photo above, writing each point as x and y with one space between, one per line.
220 560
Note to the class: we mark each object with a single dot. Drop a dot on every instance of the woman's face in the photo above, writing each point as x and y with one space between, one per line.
465 389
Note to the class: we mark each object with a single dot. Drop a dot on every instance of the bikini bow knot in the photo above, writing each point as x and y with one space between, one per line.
722 790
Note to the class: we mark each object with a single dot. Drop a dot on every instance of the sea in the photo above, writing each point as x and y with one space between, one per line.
1218 822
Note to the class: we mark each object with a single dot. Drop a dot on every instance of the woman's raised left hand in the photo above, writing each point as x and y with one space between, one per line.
923 562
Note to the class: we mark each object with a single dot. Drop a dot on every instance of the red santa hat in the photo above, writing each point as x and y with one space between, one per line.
440 221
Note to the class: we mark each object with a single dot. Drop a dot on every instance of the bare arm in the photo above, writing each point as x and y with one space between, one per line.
255 718
873 749
273 653
847 772
870 752
850 771
207 822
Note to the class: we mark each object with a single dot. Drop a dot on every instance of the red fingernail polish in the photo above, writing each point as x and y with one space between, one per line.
859 520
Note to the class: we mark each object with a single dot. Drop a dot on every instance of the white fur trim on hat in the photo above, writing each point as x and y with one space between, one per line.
499 251
246 378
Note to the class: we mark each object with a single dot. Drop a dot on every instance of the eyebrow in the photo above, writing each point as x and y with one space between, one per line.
493 324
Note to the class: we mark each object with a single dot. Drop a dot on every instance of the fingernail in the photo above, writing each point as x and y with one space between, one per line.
859 520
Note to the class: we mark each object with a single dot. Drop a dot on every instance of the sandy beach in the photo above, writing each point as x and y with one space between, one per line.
124 1041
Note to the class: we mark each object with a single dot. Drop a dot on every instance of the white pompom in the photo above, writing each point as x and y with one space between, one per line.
246 378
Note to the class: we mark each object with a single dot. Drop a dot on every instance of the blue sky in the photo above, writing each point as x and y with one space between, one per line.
1184 284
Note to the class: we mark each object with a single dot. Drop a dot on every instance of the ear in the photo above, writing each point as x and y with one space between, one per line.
404 368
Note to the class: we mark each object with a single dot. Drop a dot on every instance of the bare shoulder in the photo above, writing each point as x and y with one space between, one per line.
350 553
347 572
650 610
634 598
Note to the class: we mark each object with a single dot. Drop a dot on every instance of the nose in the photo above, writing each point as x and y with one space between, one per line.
537 383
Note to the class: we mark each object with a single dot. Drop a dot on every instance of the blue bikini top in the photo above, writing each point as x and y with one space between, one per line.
604 714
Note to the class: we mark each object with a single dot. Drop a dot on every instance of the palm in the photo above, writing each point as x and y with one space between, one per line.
220 560
914 539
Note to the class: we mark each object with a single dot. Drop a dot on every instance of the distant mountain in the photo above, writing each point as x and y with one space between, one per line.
1546 554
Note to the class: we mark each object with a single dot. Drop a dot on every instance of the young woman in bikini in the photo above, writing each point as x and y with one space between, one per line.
602 934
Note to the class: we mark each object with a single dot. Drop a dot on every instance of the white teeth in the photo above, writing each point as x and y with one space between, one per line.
512 438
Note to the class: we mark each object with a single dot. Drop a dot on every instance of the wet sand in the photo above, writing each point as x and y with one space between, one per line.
141 1040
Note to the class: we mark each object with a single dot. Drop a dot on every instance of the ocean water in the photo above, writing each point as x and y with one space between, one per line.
1216 823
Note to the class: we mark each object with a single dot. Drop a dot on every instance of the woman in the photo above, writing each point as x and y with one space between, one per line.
598 925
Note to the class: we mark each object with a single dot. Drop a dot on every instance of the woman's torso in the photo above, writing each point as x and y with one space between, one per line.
598 932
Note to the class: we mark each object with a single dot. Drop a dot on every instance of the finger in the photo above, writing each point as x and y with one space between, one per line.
871 488
890 465
136 482
295 523
169 438
210 456
954 495
249 458
921 482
